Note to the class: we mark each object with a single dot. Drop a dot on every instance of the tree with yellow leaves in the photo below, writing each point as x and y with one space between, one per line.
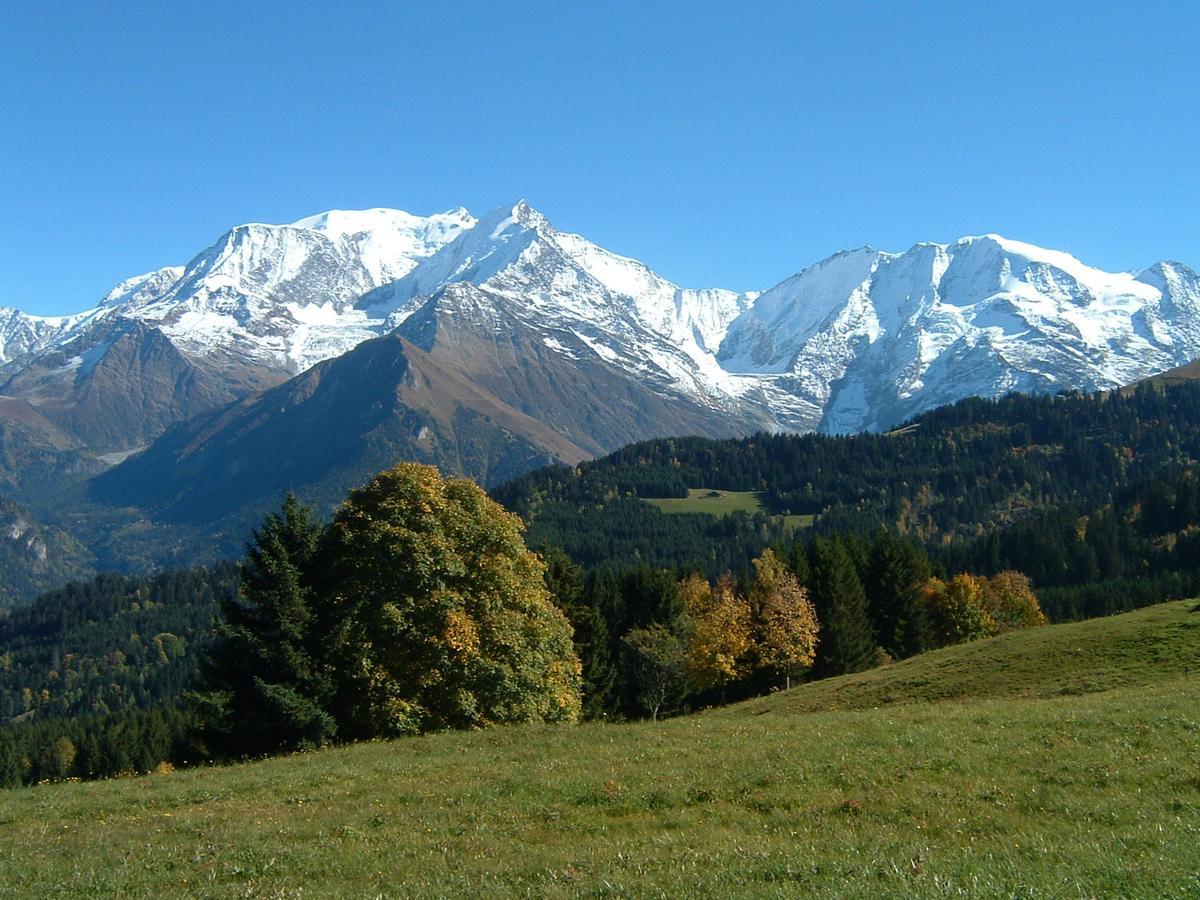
956 609
786 621
439 614
719 631
1011 602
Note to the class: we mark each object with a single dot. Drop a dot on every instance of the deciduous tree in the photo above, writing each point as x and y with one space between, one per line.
1009 599
956 609
786 623
442 616
658 665
719 632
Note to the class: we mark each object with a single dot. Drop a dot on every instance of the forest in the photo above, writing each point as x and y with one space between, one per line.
973 519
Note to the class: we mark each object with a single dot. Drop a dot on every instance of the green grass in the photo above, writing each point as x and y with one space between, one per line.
1139 648
710 502
1014 789
721 503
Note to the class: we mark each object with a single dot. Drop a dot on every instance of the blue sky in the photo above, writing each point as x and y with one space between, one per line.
724 144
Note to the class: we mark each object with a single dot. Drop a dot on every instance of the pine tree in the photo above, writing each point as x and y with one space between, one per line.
898 569
264 684
564 580
847 643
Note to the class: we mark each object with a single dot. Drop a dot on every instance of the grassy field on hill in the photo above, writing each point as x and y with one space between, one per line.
721 503
1062 763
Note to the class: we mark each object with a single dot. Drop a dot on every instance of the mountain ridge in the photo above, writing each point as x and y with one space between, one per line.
531 345
859 340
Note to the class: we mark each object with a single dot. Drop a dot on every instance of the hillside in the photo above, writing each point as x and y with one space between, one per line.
1179 375
1010 792
1125 651
1095 497
325 431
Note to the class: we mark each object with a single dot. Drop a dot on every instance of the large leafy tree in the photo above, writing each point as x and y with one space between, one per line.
1011 602
957 609
264 682
719 631
440 612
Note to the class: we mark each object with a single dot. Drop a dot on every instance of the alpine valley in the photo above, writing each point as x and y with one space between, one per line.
157 427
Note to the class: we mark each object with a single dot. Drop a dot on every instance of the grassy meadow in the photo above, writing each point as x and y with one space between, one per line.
1060 762
721 503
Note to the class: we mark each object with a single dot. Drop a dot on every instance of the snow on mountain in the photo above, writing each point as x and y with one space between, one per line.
860 340
277 296
616 307
870 338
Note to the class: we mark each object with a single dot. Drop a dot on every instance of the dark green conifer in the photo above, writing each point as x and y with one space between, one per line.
564 579
263 685
846 642
897 570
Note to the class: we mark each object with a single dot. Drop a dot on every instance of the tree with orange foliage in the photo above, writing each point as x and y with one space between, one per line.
956 609
719 631
1009 599
786 621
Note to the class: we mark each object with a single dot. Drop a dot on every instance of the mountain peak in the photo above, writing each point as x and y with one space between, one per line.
344 222
519 214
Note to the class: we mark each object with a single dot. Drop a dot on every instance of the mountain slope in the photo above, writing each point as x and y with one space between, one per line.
861 340
327 430
261 304
35 557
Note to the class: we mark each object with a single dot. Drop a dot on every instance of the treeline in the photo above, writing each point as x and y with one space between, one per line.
108 645
130 742
656 640
91 675
1140 546
984 485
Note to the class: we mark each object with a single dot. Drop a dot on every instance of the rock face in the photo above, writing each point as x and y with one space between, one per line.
35 557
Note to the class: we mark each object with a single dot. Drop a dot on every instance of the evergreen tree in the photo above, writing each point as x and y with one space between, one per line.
847 643
564 580
898 569
264 685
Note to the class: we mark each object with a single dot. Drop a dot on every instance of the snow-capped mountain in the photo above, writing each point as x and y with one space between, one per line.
261 304
868 338
516 269
543 319
281 296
